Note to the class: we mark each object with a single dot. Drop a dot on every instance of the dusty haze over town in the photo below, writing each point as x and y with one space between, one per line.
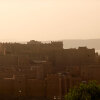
23 20
48 47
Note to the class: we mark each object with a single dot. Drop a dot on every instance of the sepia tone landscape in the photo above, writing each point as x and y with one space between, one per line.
49 49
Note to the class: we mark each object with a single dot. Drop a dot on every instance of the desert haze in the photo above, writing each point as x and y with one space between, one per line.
24 20
48 47
75 43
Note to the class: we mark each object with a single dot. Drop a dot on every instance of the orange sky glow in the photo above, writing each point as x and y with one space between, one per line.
23 20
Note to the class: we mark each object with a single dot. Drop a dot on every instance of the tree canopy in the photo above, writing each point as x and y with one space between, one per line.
88 91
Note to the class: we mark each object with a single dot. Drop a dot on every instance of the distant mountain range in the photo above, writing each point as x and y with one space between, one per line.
90 43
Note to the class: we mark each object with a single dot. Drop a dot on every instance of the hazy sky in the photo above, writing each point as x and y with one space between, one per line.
22 20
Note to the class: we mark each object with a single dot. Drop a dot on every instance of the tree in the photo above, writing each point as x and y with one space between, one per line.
89 91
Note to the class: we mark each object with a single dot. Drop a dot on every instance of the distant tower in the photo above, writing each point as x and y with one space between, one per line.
4 51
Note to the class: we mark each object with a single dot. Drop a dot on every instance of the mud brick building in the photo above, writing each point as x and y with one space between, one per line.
44 71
